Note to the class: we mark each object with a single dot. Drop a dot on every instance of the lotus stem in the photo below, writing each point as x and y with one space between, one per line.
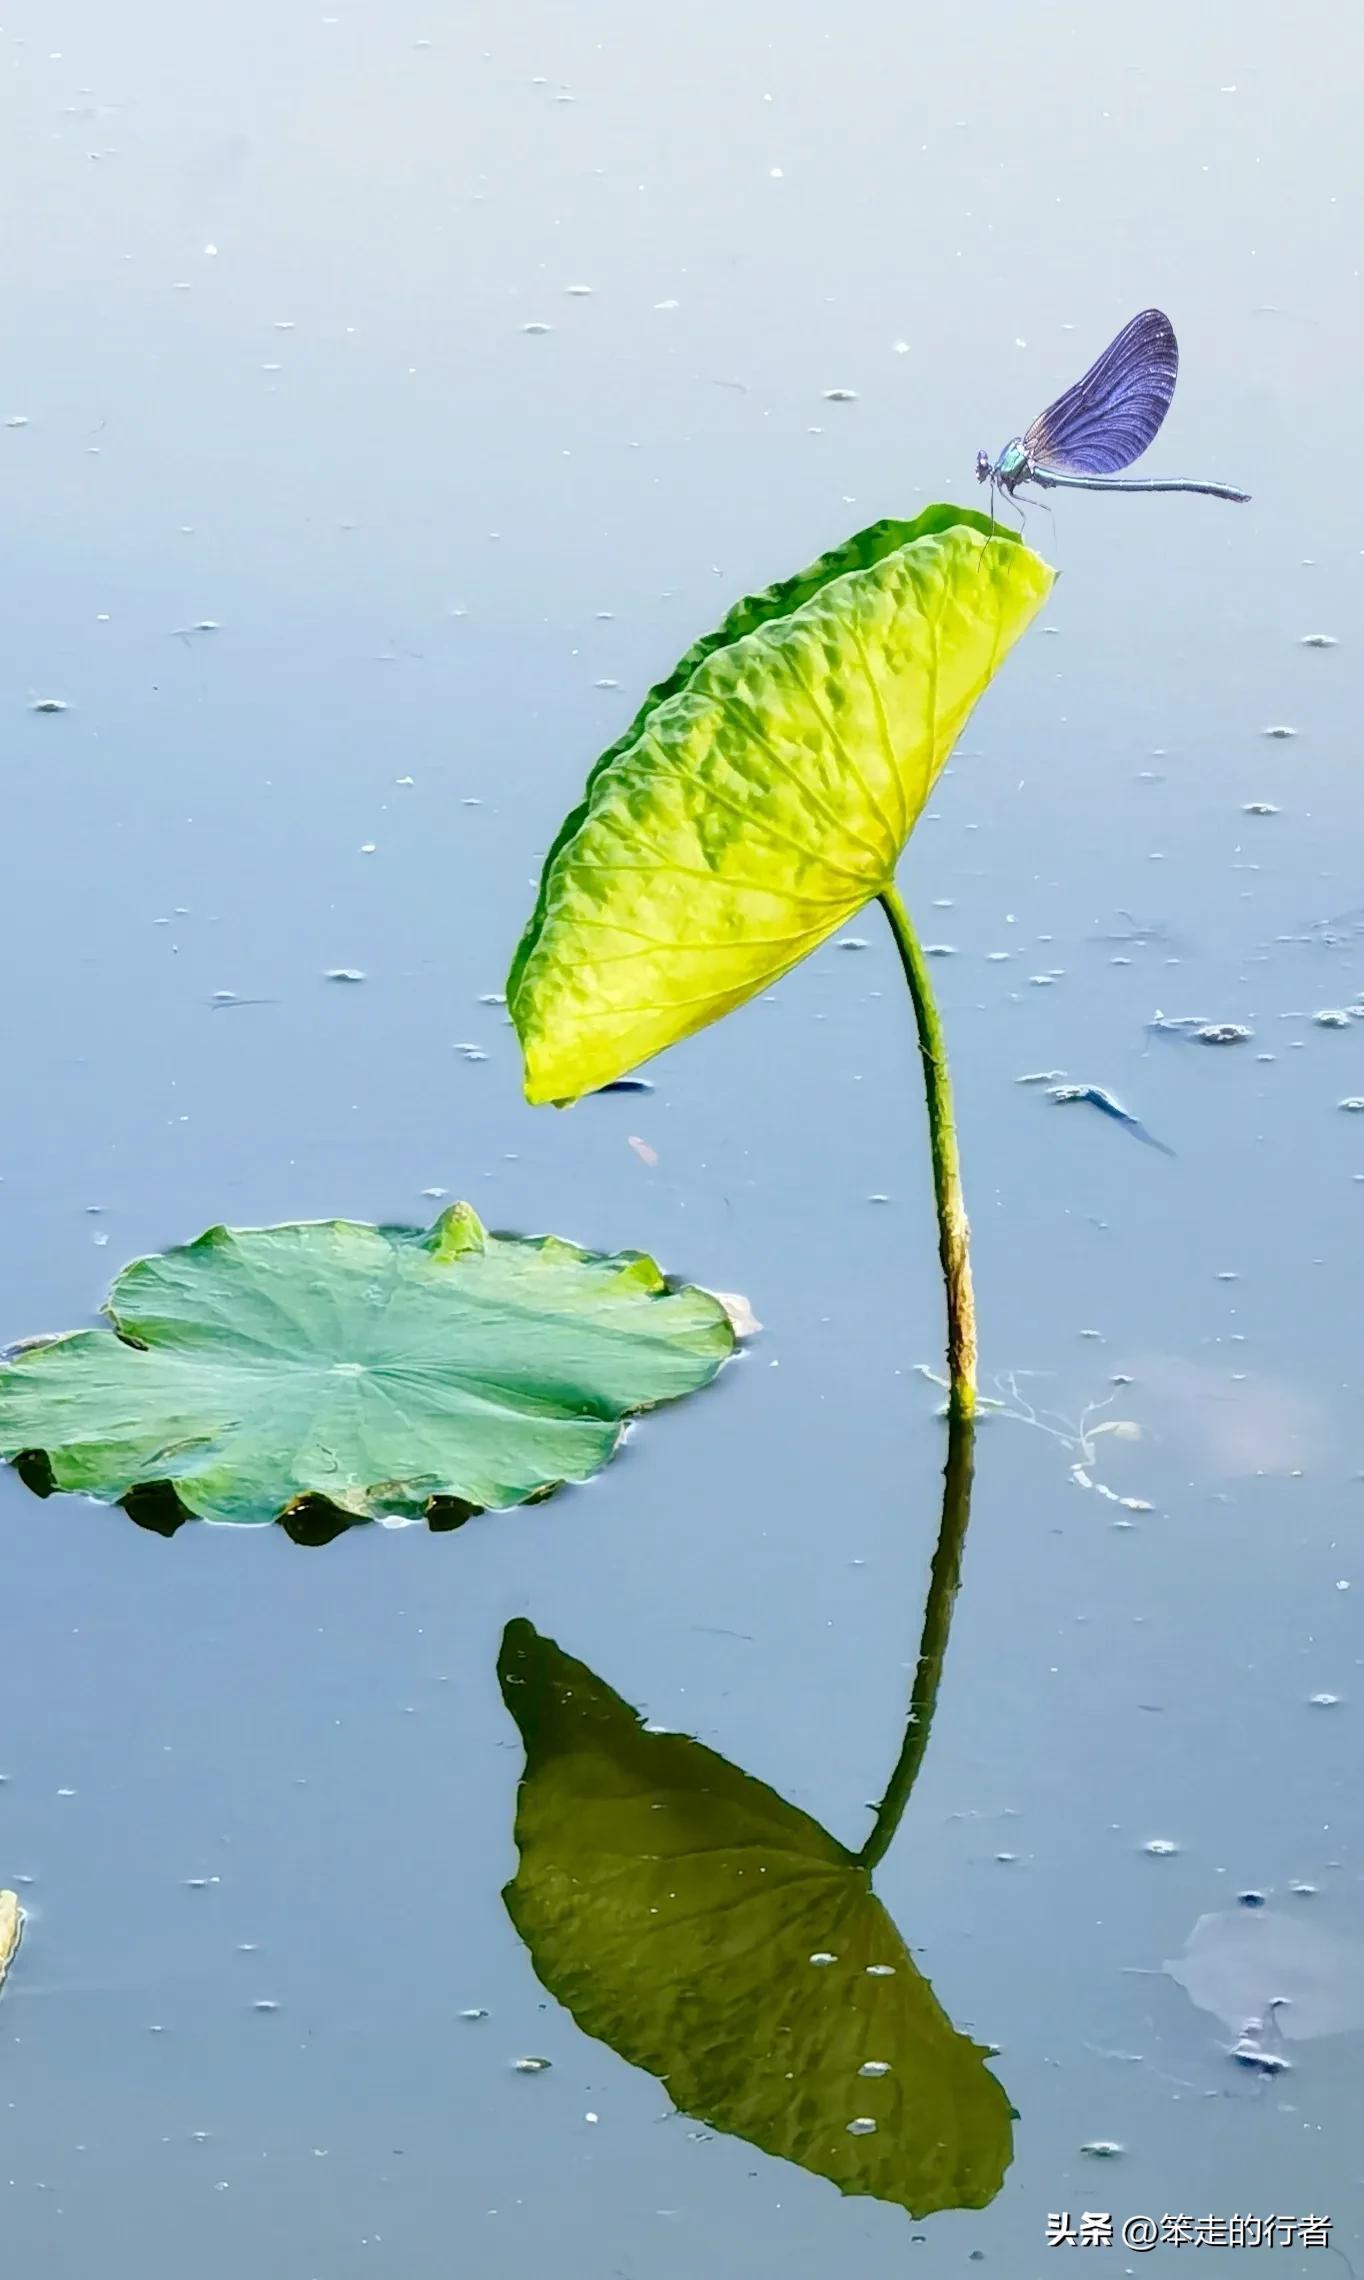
954 1229
942 1592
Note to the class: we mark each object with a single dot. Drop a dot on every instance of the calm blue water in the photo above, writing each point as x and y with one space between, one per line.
268 273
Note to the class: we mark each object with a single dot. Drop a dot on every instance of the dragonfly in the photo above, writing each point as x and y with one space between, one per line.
1083 441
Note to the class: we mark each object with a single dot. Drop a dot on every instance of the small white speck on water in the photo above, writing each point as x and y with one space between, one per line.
1160 1847
536 328
1103 2149
1279 730
1303 1890
1332 1017
475 2013
265 2003
821 1957
17 420
1353 1104
471 1052
344 974
1323 1701
940 950
840 395
899 348
874 2068
606 682
1319 641
1223 1033
864 2126
531 2065
435 1192
578 292
880 1971
1259 807
49 705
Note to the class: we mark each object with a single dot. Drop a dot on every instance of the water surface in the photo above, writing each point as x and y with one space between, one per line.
344 575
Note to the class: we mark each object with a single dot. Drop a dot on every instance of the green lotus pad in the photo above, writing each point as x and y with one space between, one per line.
763 794
713 1934
376 1367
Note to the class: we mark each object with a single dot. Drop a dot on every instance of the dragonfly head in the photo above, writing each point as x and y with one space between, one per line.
984 467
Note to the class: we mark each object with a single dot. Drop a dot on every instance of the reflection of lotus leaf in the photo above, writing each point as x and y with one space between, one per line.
722 1940
1245 1964
763 794
379 1368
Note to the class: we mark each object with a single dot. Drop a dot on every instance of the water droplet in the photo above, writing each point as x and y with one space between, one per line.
875 2068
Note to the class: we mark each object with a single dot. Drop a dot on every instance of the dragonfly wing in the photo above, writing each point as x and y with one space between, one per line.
1110 416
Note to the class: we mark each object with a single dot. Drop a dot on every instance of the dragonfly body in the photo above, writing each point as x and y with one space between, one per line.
1086 438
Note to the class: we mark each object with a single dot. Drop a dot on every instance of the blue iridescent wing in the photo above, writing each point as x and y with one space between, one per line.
1107 419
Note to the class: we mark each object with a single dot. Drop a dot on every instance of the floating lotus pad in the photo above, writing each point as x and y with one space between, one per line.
378 1368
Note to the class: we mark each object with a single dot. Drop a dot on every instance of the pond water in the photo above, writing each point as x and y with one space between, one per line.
347 529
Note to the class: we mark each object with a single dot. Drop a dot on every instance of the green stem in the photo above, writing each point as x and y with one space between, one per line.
942 1592
954 1231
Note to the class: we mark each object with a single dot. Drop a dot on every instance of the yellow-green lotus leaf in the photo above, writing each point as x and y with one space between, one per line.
763 794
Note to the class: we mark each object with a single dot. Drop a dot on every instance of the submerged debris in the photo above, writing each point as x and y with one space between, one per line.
1224 1033
1332 1017
11 1925
1269 1976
